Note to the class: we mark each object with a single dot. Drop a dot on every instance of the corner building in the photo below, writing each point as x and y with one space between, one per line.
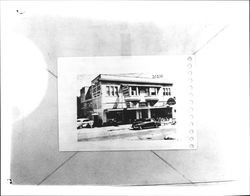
127 97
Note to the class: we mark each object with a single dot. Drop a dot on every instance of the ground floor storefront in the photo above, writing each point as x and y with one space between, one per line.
131 114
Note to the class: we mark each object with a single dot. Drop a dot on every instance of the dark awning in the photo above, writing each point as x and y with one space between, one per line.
171 101
113 109
144 108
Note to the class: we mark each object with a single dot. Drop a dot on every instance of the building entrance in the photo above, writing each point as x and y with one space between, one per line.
140 114
124 116
115 115
144 113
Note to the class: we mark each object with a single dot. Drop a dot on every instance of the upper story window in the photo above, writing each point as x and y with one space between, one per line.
112 91
116 91
96 90
143 91
153 91
133 90
169 91
108 90
166 91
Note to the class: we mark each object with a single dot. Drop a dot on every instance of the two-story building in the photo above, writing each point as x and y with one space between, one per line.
127 97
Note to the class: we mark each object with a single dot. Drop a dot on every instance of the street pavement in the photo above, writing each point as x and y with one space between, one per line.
124 132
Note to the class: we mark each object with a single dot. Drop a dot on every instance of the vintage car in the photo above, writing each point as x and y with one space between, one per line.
146 124
137 121
110 122
84 123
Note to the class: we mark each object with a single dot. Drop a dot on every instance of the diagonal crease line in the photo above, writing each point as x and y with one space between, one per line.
172 167
57 168
52 73
213 181
210 39
182 183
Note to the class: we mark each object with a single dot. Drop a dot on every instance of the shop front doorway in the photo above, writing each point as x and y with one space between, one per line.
144 113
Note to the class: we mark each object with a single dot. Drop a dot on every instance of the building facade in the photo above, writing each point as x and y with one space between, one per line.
125 98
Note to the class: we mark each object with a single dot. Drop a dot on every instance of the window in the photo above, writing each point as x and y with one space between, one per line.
143 104
153 91
108 90
166 91
169 91
116 91
96 90
112 91
133 90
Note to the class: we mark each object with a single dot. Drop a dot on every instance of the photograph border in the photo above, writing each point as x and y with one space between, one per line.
67 76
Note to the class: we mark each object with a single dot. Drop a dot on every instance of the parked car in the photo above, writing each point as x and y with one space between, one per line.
170 136
80 121
111 122
84 123
137 121
146 125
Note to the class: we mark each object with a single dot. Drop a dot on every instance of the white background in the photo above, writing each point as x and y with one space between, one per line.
223 71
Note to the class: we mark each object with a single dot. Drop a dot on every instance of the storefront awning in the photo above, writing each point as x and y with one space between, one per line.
113 110
140 108
171 101
146 108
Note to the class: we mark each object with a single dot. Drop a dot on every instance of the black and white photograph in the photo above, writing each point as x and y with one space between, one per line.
125 106
126 103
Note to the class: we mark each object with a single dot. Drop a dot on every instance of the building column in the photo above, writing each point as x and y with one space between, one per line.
104 116
137 114
149 113
137 91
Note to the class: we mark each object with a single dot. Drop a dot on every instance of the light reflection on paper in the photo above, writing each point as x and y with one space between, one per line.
26 74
